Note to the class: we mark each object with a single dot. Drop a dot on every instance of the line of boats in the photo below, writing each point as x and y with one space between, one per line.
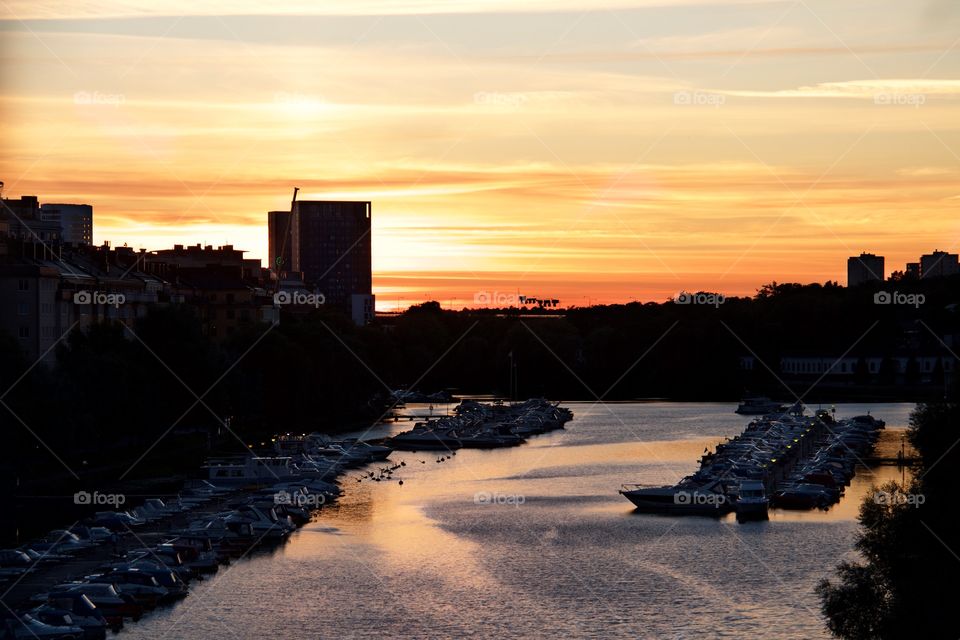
484 426
244 503
94 576
205 527
782 460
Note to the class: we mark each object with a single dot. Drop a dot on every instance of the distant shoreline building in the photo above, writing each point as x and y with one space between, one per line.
327 243
939 264
866 267
26 219
23 221
75 220
44 291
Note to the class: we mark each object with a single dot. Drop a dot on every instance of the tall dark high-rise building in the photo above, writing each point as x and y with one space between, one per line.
330 245
864 268
279 226
939 264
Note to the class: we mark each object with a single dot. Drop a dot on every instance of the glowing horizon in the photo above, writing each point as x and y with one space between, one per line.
561 151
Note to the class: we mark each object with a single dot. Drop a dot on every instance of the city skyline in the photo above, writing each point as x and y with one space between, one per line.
351 244
587 155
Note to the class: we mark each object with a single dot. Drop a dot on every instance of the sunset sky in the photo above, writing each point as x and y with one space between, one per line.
563 150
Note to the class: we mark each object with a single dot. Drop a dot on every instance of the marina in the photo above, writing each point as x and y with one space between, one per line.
783 459
110 570
484 426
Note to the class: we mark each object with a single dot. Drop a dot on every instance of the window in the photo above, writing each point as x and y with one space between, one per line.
24 332
22 308
23 285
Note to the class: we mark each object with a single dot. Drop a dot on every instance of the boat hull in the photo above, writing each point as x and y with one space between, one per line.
752 511
645 504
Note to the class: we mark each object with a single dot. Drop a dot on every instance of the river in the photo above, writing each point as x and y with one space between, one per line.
535 541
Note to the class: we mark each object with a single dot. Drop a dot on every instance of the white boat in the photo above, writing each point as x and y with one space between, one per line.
680 499
250 470
264 521
350 450
310 487
318 468
68 542
78 611
106 597
374 452
29 627
341 455
752 502
758 406
141 585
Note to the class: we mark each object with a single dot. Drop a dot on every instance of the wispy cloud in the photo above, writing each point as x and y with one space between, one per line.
60 9
861 89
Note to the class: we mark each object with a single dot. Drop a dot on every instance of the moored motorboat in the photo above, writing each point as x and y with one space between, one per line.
247 470
752 502
759 405
802 496
679 499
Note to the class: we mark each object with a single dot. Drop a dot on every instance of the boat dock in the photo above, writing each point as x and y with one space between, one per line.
484 426
411 417
796 462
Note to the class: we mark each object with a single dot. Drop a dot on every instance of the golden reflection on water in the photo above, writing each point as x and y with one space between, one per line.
394 517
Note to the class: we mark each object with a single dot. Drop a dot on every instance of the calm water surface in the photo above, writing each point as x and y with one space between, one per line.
535 541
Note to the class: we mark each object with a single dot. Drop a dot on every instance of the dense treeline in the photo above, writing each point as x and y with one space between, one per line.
905 585
114 392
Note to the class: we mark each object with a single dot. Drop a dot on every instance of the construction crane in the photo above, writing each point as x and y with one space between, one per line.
281 259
